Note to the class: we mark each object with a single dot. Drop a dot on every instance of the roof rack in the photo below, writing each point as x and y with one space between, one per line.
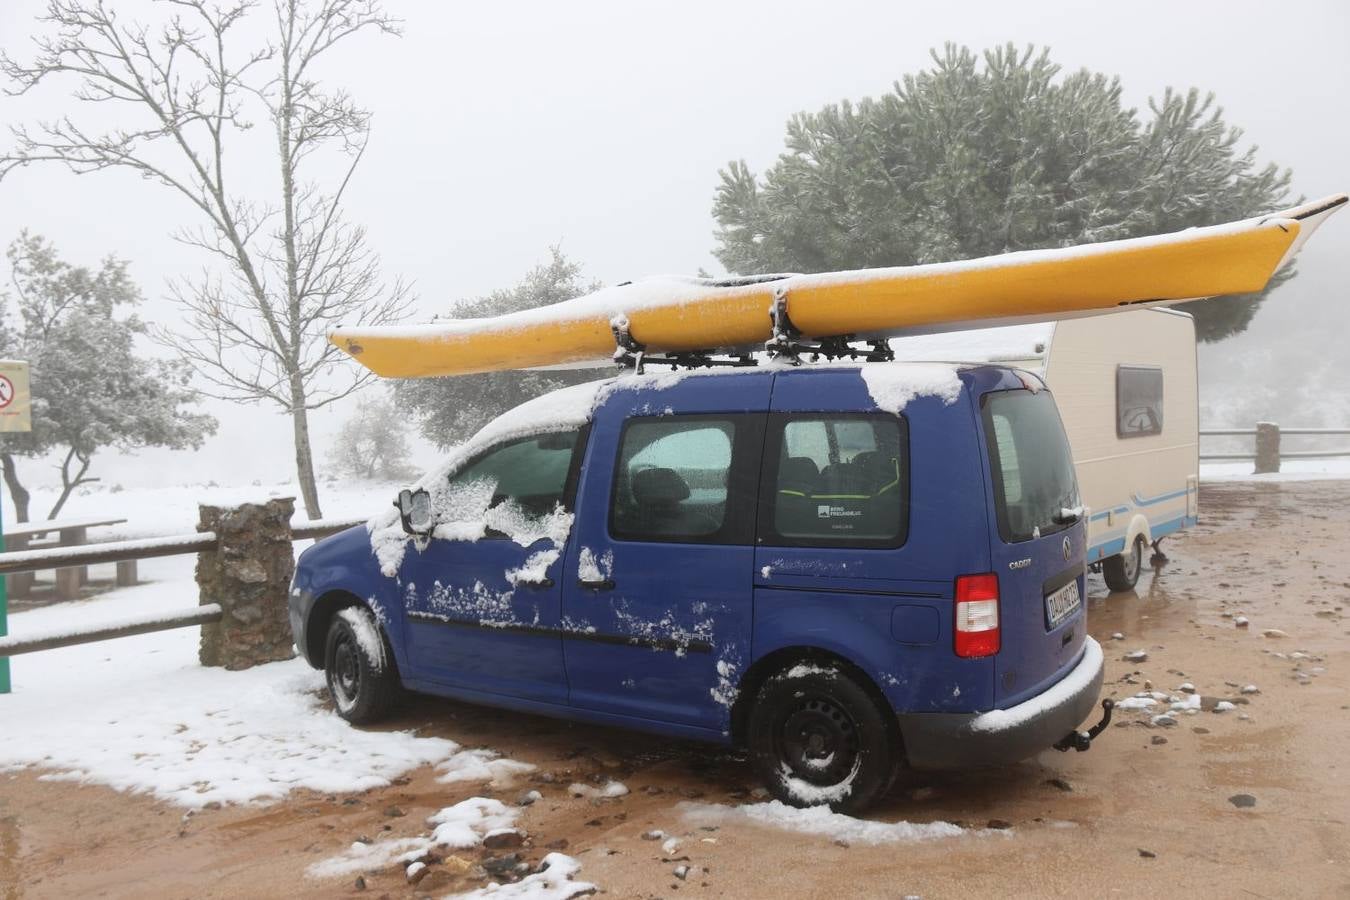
786 344
630 353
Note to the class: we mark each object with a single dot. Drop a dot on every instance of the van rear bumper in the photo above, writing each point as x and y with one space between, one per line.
1000 736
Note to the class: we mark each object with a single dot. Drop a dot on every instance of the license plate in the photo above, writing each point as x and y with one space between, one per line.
1062 603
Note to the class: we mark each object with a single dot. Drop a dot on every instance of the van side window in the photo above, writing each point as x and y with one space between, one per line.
675 481
836 480
1139 401
529 478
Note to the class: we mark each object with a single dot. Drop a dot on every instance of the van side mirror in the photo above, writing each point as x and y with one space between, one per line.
414 507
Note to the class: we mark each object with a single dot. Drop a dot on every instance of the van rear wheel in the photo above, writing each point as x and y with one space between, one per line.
1122 571
818 738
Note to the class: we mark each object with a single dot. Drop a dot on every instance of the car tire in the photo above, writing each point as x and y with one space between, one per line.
1122 571
359 666
818 738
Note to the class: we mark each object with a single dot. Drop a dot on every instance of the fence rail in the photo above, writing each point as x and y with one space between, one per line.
1267 452
197 615
120 551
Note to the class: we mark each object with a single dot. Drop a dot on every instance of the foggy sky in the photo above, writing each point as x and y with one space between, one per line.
502 128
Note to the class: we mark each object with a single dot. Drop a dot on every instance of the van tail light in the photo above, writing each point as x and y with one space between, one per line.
977 632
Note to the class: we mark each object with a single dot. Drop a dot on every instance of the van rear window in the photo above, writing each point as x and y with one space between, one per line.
1031 464
838 480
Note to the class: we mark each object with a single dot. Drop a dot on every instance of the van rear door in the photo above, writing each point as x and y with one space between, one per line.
1038 543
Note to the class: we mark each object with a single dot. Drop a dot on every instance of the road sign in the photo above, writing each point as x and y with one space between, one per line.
15 415
15 400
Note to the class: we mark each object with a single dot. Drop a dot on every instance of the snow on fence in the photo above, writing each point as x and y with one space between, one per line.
118 551
1267 452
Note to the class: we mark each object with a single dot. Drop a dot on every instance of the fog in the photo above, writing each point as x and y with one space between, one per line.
500 129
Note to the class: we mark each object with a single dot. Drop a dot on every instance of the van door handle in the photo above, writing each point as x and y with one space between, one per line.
539 583
604 584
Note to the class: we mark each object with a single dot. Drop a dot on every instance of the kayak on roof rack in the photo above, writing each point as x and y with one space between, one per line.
673 316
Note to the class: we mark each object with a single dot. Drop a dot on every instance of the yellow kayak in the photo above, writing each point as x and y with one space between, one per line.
674 315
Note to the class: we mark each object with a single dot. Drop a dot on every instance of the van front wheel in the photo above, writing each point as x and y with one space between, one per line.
1122 571
359 667
817 738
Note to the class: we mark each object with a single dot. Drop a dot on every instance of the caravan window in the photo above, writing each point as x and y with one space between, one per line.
1139 401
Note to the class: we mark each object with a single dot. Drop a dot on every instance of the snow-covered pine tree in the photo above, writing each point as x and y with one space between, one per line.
987 154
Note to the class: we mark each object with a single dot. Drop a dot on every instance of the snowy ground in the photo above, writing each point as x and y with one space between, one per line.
140 714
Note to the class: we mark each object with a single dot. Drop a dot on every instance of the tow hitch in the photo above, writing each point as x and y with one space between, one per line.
1082 740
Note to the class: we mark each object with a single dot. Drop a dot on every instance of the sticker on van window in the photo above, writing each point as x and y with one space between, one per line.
825 511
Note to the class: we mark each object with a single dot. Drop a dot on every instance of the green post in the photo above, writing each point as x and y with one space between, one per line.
4 605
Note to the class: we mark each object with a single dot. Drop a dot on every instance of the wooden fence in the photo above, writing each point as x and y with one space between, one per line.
119 551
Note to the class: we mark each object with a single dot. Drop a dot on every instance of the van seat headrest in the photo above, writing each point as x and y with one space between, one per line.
659 487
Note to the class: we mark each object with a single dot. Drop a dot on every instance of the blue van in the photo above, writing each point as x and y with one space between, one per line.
844 569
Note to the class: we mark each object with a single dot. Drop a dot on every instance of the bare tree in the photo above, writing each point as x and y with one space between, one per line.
289 266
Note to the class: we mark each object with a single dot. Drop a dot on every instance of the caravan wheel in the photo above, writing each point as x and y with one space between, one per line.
1122 572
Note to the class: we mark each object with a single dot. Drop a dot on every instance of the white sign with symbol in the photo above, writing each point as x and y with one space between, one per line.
15 401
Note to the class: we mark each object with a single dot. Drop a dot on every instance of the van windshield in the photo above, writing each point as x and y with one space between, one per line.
1032 466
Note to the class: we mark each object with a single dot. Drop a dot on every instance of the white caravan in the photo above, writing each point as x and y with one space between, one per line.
1126 387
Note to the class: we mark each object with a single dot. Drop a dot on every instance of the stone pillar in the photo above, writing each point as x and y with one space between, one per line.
1267 448
249 576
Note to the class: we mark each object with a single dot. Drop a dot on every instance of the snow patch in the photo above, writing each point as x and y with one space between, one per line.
535 569
481 765
813 794
610 790
1136 703
368 637
726 691
892 386
555 880
457 827
817 820
591 568
192 735
801 670
1069 686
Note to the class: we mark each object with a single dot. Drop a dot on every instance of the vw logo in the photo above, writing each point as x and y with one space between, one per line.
1068 549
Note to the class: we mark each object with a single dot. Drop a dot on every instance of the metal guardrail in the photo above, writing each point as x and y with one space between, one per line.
1268 453
119 551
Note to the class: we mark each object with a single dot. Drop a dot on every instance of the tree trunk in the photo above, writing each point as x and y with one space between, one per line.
16 490
304 454
68 484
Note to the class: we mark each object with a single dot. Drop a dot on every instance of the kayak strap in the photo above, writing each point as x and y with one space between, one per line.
789 344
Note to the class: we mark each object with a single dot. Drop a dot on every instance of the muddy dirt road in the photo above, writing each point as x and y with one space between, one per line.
1152 810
